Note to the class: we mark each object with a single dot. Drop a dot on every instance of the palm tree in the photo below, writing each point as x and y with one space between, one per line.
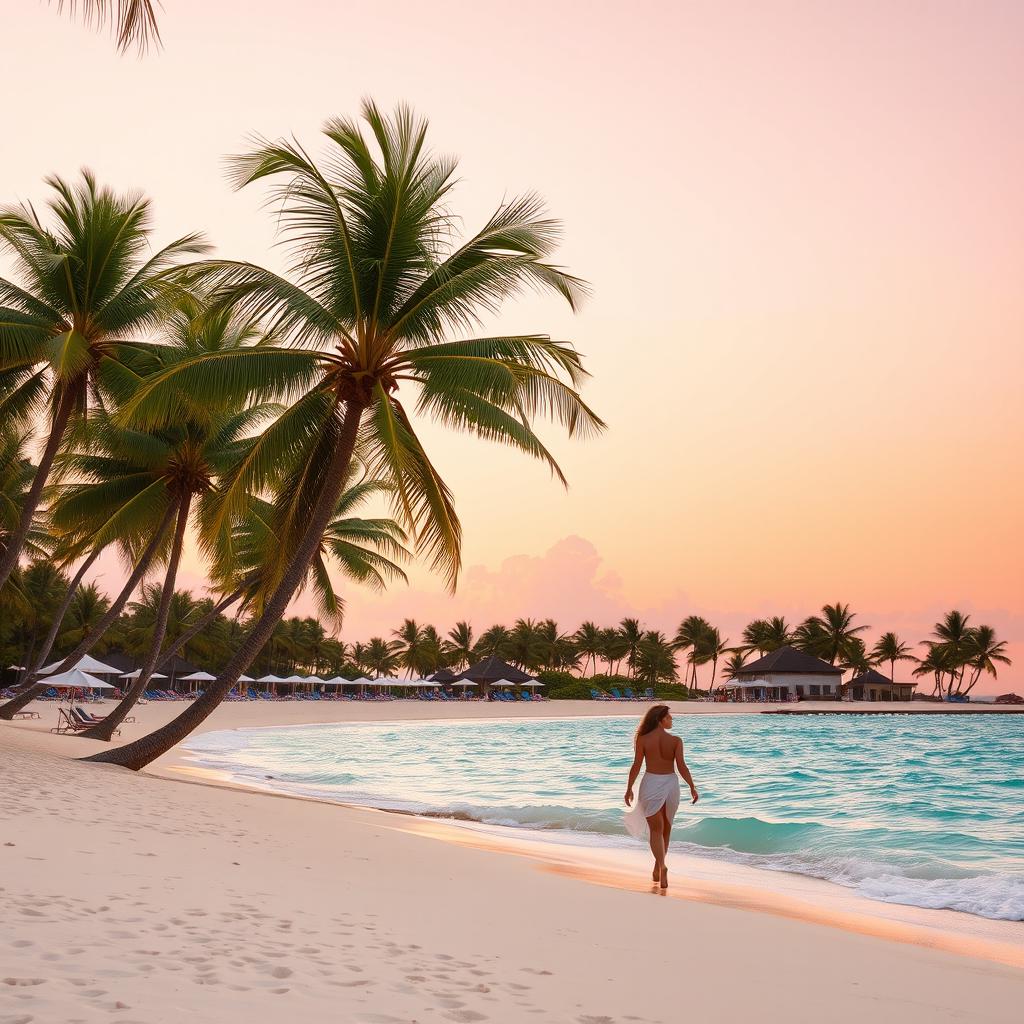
735 662
855 658
495 642
632 634
132 22
614 648
655 659
588 643
829 635
952 635
378 289
382 657
936 663
458 648
692 636
417 649
984 651
88 606
767 635
528 647
712 649
889 647
66 331
558 649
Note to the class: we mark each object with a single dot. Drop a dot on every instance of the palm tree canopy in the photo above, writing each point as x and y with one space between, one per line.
132 22
382 299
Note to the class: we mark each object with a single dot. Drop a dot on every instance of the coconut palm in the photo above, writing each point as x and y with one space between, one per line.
829 635
889 647
458 648
382 657
712 648
378 295
87 289
693 636
735 662
655 659
528 647
558 649
632 634
984 651
589 643
495 642
767 635
418 648
614 647
953 637
936 663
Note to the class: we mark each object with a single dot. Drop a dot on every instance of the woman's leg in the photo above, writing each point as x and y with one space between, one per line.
656 827
667 827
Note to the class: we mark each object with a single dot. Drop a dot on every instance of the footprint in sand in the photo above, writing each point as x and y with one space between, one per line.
23 982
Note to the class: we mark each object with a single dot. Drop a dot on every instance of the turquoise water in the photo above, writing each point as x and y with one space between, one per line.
927 811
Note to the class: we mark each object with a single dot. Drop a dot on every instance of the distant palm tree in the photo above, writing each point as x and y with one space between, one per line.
382 657
655 659
528 646
952 635
632 634
936 663
614 647
889 647
983 652
380 293
829 635
495 642
88 284
767 635
693 637
559 651
588 643
735 662
459 645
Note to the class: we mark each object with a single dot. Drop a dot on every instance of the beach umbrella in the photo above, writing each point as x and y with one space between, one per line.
533 683
138 672
87 664
270 679
246 679
75 679
198 677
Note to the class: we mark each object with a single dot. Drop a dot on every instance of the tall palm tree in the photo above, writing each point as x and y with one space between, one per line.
953 636
830 635
528 647
984 651
132 22
655 658
88 288
588 643
692 636
495 642
382 657
735 662
458 647
558 649
936 663
889 647
614 648
380 290
632 634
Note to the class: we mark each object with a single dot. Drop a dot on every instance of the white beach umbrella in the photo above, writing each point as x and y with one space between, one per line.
246 679
270 679
87 664
531 683
198 677
76 679
138 672
463 682
16 668
502 684
294 679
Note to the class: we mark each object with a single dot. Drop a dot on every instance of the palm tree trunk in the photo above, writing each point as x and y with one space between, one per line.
32 690
138 754
16 541
105 730
69 595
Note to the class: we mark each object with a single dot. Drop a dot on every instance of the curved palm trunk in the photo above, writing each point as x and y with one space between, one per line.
51 637
12 550
105 729
138 754
32 689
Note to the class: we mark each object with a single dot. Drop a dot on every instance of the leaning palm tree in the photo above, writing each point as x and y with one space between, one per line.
132 22
380 304
830 635
889 647
87 287
458 648
632 634
589 643
953 636
984 651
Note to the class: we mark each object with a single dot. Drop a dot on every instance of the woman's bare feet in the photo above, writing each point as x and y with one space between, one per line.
664 878
656 875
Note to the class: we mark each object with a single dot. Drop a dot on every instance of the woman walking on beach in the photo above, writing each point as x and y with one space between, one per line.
659 788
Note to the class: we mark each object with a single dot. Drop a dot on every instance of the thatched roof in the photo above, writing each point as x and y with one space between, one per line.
491 670
788 660
444 675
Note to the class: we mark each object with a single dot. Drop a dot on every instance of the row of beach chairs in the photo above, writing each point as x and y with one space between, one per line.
627 694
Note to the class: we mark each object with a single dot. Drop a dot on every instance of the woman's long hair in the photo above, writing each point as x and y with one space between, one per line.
651 720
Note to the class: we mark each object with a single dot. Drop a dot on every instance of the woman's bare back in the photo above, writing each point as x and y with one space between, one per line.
659 749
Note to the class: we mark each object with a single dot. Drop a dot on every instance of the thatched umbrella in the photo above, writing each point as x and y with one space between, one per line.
493 670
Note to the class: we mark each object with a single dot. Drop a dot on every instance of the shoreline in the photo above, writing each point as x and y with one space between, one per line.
216 846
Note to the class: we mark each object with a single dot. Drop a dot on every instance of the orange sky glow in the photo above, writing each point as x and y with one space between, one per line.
803 227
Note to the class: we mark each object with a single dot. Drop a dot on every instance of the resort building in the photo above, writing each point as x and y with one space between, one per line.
787 674
872 685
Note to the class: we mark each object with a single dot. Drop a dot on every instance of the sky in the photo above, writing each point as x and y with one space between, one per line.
804 229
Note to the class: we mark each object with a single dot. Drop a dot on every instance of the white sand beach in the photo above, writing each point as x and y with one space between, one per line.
167 895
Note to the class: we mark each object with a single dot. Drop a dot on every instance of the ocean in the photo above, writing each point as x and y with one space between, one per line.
919 810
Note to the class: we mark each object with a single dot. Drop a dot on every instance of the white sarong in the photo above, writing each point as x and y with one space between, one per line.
656 791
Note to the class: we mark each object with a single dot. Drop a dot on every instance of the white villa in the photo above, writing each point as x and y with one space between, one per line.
787 674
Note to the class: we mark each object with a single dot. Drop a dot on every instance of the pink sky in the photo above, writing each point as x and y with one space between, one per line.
803 227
